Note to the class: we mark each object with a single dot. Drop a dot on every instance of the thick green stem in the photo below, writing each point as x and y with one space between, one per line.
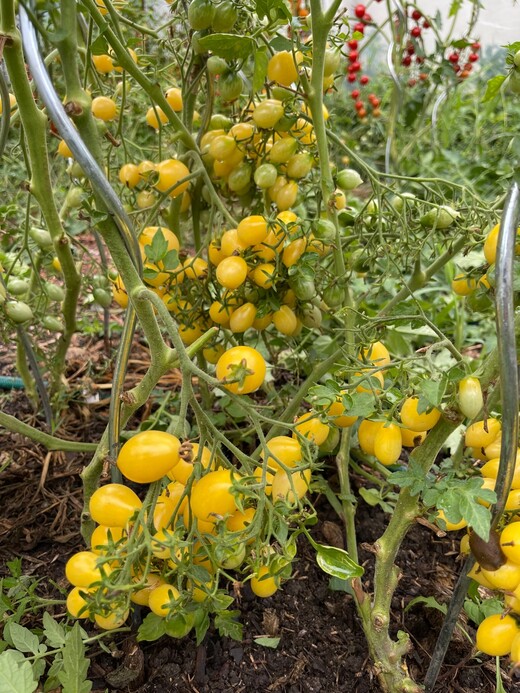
34 123
51 442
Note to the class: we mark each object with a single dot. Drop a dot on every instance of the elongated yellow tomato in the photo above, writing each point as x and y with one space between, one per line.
184 468
212 496
496 633
113 505
510 541
112 620
83 570
285 320
142 596
155 117
148 456
491 242
282 449
416 421
309 426
240 520
241 370
77 602
411 439
129 175
388 444
148 234
507 577
232 272
264 275
263 584
104 108
482 433
293 252
174 98
242 318
366 381
463 285
490 470
163 599
282 68
119 292
471 399
367 432
252 230
170 173
376 353
290 486
268 113
103 536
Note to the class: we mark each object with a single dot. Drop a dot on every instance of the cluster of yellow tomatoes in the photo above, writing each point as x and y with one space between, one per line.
246 283
267 149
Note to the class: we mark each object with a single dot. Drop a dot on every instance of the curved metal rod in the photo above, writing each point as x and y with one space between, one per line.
6 113
397 95
71 136
509 395
102 187
435 112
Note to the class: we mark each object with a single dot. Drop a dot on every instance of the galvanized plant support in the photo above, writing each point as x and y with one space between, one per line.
103 189
505 311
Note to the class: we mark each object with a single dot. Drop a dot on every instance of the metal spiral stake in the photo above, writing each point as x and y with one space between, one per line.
505 310
109 197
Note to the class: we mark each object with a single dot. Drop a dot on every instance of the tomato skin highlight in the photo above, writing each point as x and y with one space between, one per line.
148 456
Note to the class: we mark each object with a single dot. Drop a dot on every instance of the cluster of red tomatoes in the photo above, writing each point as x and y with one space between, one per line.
463 61
354 67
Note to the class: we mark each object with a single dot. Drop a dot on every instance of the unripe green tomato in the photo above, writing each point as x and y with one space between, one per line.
311 316
331 441
52 324
265 176
216 66
230 86
18 311
54 292
334 296
41 237
471 400
324 230
299 165
399 202
441 218
17 287
75 170
74 197
332 61
100 280
101 127
303 287
282 93
348 179
201 14
195 42
225 17
359 261
372 207
239 178
220 122
346 217
230 557
513 82
102 297
516 59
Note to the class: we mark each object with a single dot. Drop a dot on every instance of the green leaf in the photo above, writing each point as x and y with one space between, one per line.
260 70
430 602
228 46
412 478
363 405
280 43
272 9
171 260
73 676
152 628
493 87
15 673
23 640
267 642
99 46
227 625
158 248
431 393
337 562
201 626
479 610
53 631
338 585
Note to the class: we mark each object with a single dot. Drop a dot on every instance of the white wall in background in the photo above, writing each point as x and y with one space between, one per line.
498 23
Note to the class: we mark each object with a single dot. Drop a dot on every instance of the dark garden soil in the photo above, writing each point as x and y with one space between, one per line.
321 648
